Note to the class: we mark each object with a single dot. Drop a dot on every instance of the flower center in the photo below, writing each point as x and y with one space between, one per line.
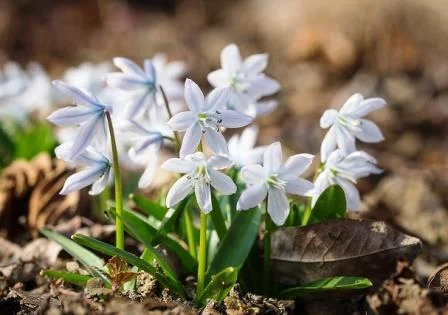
239 82
352 124
276 182
209 120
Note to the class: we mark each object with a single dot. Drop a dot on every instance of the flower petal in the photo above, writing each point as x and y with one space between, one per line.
234 119
216 141
150 70
328 118
221 182
351 103
256 63
370 132
273 158
138 103
231 59
150 171
345 140
218 78
218 162
85 136
320 184
278 205
248 137
193 96
351 194
328 144
203 195
263 86
191 140
79 96
217 98
99 185
253 174
128 66
299 187
72 115
176 165
367 106
252 196
296 165
181 121
81 179
265 107
124 81
181 189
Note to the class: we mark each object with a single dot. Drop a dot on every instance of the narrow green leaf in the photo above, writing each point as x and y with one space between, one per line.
69 277
219 286
330 205
218 218
171 216
188 262
326 284
110 250
89 260
34 138
150 207
237 242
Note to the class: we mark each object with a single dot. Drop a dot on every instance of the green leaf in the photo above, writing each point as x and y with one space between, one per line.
171 216
7 147
69 277
219 286
237 242
150 207
218 218
139 230
33 139
89 260
110 250
188 262
330 205
326 284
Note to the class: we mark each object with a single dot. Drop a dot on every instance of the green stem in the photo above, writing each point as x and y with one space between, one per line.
307 214
119 227
170 114
267 253
190 233
202 254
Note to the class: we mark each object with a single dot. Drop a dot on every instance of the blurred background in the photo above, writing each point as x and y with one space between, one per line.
321 53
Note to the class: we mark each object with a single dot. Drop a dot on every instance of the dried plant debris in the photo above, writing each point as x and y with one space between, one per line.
238 303
340 248
403 294
30 189
439 279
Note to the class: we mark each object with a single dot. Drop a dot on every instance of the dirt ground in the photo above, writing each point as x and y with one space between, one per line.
321 54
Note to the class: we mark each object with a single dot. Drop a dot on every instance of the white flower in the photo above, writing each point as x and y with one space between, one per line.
147 147
241 147
245 79
143 84
344 171
88 76
200 173
275 180
97 170
347 124
88 113
205 119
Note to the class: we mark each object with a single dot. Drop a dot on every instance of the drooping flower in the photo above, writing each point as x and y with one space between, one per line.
200 174
147 146
88 113
275 180
348 124
205 119
344 171
97 169
143 84
245 79
241 148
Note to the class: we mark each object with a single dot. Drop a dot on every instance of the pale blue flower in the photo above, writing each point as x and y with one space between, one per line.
344 171
274 180
97 170
200 175
347 125
88 113
204 119
242 148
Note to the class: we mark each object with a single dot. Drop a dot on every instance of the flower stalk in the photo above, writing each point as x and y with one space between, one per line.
119 227
267 252
202 259
170 114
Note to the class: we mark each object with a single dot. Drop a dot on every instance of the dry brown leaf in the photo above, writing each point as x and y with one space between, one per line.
345 247
439 279
30 189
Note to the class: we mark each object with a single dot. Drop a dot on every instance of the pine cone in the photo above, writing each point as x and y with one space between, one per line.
29 196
